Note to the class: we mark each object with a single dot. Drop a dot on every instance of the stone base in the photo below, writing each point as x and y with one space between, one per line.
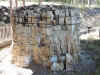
21 55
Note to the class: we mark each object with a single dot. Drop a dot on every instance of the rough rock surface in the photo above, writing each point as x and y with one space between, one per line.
40 43
86 66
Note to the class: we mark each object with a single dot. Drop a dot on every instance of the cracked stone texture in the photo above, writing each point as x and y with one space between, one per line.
33 41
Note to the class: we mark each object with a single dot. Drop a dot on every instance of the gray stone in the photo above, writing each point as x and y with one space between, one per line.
52 40
54 58
57 66
62 58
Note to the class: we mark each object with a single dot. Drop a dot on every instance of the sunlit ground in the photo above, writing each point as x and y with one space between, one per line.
90 36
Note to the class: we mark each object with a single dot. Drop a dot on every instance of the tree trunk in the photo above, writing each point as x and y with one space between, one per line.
11 12
23 3
40 2
16 3
88 3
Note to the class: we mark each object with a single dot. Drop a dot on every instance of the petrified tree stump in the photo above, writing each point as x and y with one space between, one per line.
45 31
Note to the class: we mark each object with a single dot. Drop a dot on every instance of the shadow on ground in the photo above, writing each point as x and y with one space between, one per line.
93 48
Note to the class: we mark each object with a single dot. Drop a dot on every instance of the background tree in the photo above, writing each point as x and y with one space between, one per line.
23 3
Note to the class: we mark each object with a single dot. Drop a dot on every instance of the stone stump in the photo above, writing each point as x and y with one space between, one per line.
53 31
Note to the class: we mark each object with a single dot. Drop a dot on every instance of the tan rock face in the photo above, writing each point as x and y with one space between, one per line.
39 42
40 48
22 49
